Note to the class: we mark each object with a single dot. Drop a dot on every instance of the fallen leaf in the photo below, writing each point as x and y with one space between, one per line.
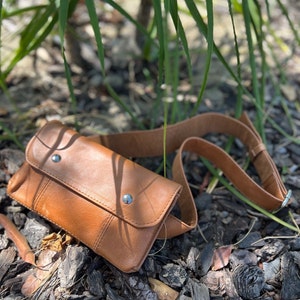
56 241
221 257
19 240
163 291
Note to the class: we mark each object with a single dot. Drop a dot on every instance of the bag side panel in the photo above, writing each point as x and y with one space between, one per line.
26 186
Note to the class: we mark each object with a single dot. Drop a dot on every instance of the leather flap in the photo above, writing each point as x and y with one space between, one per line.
101 176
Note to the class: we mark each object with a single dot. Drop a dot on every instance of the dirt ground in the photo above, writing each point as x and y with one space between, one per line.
261 257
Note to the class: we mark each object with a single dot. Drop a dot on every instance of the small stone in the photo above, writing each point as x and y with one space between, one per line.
115 81
289 91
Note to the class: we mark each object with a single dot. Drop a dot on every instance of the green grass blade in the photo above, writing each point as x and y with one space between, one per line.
17 12
255 82
100 49
124 106
123 12
1 18
239 103
171 66
207 31
98 37
63 15
163 33
159 25
33 35
235 192
39 21
10 136
291 24
62 20
181 35
158 18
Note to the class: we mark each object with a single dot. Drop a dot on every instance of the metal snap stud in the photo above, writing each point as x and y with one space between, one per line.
56 158
127 199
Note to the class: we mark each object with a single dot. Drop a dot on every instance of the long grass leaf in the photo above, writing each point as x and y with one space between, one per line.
10 136
124 106
255 82
158 18
257 18
32 36
17 12
62 19
98 37
239 103
1 19
128 17
291 24
235 192
181 35
100 49
159 25
63 15
39 20
207 30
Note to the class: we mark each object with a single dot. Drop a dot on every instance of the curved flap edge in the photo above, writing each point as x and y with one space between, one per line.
101 176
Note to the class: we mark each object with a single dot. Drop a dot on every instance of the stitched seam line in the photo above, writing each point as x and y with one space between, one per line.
171 197
102 232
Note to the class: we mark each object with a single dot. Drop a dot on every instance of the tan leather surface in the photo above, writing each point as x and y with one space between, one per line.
150 143
82 193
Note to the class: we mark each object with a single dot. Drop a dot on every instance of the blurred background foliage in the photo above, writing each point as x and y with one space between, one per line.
256 59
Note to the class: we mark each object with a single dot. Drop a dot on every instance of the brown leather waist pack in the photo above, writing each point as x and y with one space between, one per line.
88 186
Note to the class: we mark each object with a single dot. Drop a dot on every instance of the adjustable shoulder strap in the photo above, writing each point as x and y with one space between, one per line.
186 136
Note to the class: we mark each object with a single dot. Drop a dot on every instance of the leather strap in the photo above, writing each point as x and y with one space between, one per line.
186 136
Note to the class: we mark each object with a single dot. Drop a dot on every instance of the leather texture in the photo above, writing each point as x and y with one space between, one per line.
83 194
83 191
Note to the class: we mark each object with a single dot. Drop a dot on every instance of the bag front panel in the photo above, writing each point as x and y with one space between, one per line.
125 245
65 208
101 175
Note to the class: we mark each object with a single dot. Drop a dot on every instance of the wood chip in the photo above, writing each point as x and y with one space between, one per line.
221 257
7 256
40 274
163 291
248 281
